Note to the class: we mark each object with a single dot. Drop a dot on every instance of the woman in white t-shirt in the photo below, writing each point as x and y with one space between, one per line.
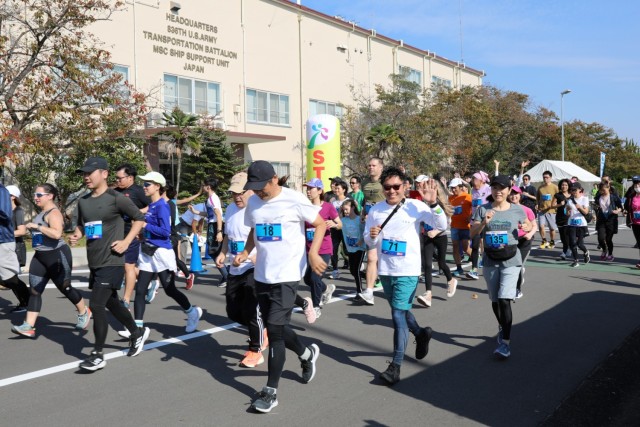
577 206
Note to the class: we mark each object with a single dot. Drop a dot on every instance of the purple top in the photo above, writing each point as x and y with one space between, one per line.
327 212
479 197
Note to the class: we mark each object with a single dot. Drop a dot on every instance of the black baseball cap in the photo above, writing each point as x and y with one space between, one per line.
636 178
92 164
501 180
575 186
260 172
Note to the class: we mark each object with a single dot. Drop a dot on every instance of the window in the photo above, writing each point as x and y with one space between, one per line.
281 168
191 96
440 82
265 107
411 75
322 107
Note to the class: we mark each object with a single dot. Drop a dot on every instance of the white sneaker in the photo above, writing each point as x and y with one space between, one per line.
318 311
192 318
125 334
367 297
326 295
451 290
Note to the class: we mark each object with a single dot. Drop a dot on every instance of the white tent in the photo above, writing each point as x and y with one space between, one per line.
561 170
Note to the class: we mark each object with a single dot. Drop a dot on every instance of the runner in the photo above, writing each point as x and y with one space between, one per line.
524 237
632 207
169 196
498 222
373 194
99 216
19 228
157 256
393 229
242 302
577 207
436 239
276 216
340 195
356 193
461 202
546 213
9 265
608 206
126 185
479 192
353 233
562 220
52 261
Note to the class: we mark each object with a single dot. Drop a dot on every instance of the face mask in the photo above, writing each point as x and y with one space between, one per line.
637 188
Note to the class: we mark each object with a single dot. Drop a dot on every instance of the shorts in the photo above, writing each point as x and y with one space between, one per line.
400 290
460 234
110 277
501 281
163 259
131 254
9 265
276 301
548 219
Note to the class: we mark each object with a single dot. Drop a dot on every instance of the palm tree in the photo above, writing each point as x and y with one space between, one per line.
182 136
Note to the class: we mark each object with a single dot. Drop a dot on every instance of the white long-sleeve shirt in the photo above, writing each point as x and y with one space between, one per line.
398 244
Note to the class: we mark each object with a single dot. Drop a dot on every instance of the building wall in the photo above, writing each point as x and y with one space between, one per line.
267 45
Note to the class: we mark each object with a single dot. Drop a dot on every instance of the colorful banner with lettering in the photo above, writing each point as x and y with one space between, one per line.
323 148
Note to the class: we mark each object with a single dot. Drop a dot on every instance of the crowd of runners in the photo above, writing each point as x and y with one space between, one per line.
389 231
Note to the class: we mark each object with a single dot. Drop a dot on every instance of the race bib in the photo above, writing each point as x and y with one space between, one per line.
235 247
476 202
546 197
495 239
394 247
575 221
37 239
310 233
147 234
457 210
352 241
636 215
269 232
426 227
93 230
367 208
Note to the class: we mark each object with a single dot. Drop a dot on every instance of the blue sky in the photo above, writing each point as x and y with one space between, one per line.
539 48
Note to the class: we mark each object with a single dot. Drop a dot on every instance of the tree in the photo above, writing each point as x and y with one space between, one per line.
182 136
216 159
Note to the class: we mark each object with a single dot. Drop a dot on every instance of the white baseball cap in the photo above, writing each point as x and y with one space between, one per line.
422 178
154 177
455 182
13 190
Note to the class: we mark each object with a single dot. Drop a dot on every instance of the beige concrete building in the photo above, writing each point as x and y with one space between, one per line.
261 67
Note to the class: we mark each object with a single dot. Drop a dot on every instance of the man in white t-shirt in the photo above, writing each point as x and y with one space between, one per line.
242 303
393 229
276 216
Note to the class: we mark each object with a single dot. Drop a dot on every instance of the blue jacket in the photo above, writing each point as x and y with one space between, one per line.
6 226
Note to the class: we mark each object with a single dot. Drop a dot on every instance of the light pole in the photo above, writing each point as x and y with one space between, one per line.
562 94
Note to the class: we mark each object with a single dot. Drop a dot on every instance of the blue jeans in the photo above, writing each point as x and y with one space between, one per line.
314 281
403 322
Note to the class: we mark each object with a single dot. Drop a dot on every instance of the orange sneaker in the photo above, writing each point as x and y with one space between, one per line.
265 340
252 359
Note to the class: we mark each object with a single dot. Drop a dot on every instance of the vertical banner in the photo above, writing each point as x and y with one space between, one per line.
602 157
323 148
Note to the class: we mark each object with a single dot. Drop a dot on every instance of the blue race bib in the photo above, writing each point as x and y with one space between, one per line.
476 202
426 227
310 233
352 241
394 247
269 232
457 210
636 215
37 239
93 230
575 221
495 239
235 247
546 197
367 208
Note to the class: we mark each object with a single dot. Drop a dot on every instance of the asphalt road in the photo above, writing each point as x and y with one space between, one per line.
568 322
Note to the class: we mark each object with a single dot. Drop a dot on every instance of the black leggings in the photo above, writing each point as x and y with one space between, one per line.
475 250
106 297
168 281
181 265
606 229
19 289
242 306
636 232
576 240
564 237
524 246
355 263
502 310
336 240
440 243
52 265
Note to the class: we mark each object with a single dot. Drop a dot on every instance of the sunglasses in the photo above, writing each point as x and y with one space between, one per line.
38 195
148 183
120 178
396 187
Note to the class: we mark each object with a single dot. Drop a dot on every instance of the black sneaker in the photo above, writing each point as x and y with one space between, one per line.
137 340
422 342
94 362
266 400
391 375
19 309
587 257
309 366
